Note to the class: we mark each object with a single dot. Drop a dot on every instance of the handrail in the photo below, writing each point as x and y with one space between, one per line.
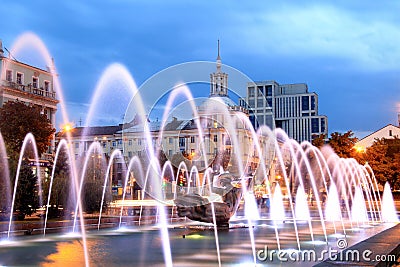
29 89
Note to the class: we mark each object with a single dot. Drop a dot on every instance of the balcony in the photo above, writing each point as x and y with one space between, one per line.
29 89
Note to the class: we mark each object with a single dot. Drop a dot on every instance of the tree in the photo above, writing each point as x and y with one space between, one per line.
60 193
26 201
92 190
18 119
319 141
384 158
343 144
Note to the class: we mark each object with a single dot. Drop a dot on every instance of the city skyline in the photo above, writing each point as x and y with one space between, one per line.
345 52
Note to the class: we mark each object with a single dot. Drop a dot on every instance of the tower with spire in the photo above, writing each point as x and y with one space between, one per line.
219 80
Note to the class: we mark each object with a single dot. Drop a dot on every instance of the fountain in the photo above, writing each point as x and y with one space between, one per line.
198 208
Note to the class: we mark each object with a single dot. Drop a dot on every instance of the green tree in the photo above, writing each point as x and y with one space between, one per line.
60 193
26 200
93 184
18 119
343 144
384 158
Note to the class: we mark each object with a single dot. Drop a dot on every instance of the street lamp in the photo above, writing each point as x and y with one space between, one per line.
67 127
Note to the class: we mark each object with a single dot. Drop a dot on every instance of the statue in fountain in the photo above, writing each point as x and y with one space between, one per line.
226 195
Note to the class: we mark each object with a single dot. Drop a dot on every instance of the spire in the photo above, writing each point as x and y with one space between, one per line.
218 58
219 79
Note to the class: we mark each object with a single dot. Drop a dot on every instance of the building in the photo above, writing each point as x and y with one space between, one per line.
287 106
29 84
390 131
180 139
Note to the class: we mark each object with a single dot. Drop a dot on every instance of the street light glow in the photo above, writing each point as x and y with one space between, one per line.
67 127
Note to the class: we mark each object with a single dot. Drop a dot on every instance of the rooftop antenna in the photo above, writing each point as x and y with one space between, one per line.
10 55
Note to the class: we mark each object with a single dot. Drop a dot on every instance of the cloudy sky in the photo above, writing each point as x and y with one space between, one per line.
346 51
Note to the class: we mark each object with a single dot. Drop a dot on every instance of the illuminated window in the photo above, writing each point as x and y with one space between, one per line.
46 86
20 78
9 75
34 82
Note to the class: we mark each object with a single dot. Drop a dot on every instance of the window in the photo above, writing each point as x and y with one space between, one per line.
139 142
170 152
260 102
215 138
119 166
46 86
269 101
130 154
268 88
251 91
314 125
260 90
192 139
20 78
119 141
304 103
312 102
251 103
390 132
130 142
139 153
322 125
34 82
182 141
9 75
114 143
76 145
170 140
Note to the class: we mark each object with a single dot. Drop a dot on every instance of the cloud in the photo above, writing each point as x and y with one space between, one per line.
324 31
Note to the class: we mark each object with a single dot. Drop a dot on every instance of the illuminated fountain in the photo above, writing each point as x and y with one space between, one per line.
317 198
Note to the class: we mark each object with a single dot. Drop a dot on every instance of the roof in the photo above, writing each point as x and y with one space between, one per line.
216 100
24 64
153 127
92 131
379 134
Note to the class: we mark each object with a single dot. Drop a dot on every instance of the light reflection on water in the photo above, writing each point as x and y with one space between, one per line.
68 254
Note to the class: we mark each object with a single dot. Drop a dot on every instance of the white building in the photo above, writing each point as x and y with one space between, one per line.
390 131
287 106
32 85
28 84
181 140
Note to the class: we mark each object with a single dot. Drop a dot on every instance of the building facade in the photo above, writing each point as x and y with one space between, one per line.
29 84
220 120
390 131
32 86
287 106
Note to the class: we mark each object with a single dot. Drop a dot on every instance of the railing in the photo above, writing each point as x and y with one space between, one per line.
29 89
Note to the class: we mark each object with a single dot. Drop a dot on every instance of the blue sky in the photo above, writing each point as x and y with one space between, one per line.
346 51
